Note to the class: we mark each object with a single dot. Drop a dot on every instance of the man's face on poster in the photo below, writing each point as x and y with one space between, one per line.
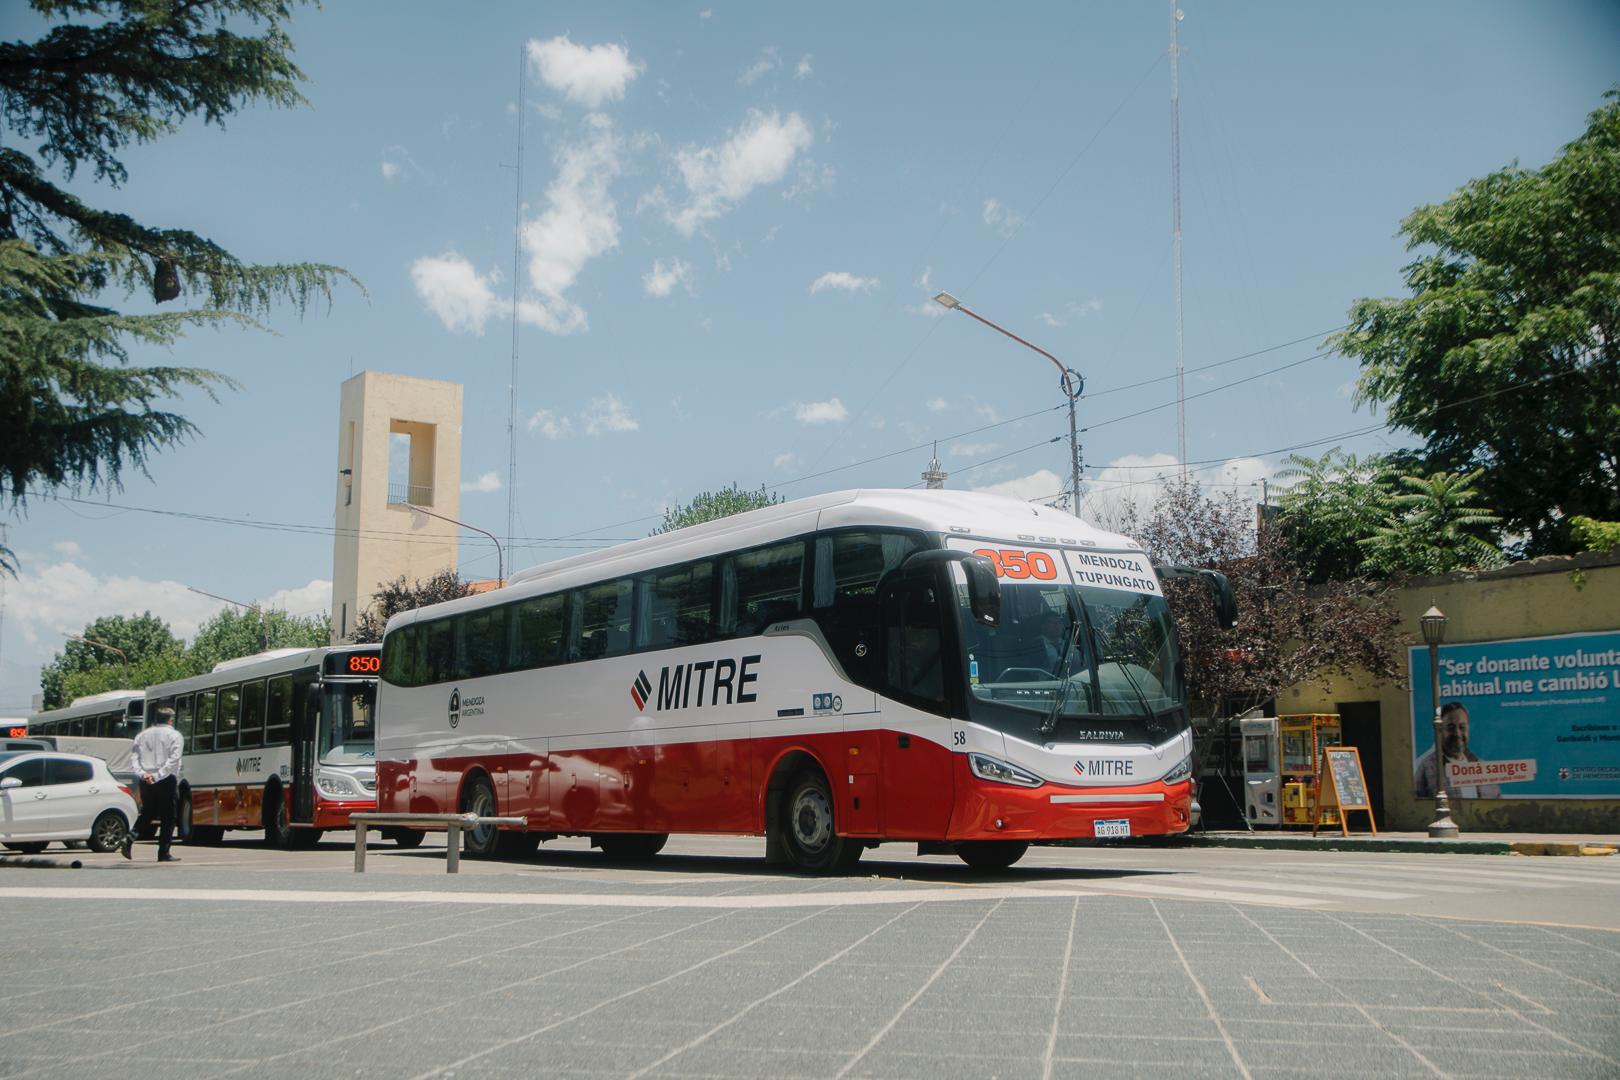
1454 733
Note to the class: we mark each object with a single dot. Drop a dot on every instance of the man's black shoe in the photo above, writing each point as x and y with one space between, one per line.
168 858
129 842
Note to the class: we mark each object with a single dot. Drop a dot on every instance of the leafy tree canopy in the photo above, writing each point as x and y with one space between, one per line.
397 596
1288 632
140 639
1595 535
1430 529
73 408
1506 357
710 505
233 633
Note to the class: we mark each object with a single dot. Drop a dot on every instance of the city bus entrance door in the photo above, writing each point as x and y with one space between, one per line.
306 722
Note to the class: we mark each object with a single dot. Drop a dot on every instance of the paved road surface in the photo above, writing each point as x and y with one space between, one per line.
1078 962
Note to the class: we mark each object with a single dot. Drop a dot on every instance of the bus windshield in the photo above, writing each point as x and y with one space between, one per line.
1075 664
348 723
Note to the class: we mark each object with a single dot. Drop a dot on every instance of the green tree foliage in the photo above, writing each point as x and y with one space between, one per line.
1506 357
710 505
1333 502
1431 528
74 410
1595 535
233 633
398 595
1288 631
142 639
164 667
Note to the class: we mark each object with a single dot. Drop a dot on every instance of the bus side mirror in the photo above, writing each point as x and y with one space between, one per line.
1226 609
984 591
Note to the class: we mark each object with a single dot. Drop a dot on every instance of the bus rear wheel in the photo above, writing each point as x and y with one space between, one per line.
207 835
808 830
631 845
182 818
277 829
481 841
404 838
989 856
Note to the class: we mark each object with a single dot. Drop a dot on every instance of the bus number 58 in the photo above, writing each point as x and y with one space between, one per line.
1018 565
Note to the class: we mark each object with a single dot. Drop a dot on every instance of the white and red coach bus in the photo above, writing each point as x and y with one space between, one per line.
282 741
832 672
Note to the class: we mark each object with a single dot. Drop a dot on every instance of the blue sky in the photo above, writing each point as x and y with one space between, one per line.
735 216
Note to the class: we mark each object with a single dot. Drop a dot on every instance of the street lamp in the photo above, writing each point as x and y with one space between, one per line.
1070 380
500 562
102 645
264 627
1433 622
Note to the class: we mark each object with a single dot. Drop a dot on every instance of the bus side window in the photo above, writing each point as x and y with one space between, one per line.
767 585
278 712
914 649
537 632
438 650
604 625
182 720
252 730
480 650
676 607
849 566
402 657
229 715
203 733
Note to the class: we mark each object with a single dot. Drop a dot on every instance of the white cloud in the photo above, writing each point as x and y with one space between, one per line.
462 298
821 412
580 223
805 69
1049 319
69 548
588 75
607 413
389 170
718 177
769 60
938 404
1001 218
785 461
490 481
1138 480
927 307
550 425
1042 485
312 599
842 279
1073 310
661 280
972 449
706 13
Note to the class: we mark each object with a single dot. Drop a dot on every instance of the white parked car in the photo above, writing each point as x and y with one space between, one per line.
48 796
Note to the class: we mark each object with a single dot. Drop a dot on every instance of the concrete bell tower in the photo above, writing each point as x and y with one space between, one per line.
399 444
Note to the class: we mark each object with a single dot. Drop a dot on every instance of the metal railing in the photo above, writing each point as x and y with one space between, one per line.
421 494
450 823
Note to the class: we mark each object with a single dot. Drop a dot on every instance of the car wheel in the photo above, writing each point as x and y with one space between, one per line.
988 856
30 847
108 832
631 845
807 827
482 841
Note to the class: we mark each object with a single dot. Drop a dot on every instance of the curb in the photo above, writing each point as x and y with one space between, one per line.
1560 847
1361 843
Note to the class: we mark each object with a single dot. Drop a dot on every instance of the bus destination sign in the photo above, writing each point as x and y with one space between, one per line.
354 664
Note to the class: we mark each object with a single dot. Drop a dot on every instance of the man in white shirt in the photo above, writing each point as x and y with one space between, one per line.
155 757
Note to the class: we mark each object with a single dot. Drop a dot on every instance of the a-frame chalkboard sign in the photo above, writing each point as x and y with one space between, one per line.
1343 788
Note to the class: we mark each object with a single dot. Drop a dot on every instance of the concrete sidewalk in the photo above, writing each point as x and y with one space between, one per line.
1467 844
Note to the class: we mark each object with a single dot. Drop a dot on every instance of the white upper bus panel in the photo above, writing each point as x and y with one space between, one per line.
961 513
244 661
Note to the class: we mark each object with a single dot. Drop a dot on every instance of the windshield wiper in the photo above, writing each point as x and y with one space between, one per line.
1141 699
1049 722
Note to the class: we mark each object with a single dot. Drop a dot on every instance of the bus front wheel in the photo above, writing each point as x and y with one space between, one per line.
480 841
808 829
631 845
989 856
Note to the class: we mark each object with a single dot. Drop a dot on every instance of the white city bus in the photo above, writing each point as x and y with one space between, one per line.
831 672
281 741
101 725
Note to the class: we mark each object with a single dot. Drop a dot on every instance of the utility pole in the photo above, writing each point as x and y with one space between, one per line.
1175 221
517 257
264 627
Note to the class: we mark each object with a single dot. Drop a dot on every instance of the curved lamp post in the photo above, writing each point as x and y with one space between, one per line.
500 560
1433 622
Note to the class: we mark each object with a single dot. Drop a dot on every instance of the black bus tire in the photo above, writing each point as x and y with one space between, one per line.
990 856
808 827
481 842
631 845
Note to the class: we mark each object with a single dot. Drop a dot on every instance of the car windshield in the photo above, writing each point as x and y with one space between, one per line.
1088 664
348 724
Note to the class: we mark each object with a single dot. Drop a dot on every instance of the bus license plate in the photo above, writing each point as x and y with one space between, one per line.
1118 827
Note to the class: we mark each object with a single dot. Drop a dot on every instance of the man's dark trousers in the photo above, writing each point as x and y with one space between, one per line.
157 804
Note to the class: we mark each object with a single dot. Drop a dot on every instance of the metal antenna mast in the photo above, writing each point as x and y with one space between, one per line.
1175 215
517 257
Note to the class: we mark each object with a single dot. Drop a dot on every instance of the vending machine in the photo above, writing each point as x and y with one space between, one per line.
1262 775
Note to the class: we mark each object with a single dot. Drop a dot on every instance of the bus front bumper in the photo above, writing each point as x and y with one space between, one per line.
989 811
332 814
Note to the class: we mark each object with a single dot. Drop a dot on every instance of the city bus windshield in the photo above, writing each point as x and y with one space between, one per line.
1075 664
348 723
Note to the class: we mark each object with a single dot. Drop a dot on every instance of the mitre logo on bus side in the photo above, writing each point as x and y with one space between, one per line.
694 685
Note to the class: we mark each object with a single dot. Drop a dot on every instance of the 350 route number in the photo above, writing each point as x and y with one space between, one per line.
1019 565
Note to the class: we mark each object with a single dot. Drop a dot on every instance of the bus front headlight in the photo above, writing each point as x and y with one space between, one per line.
997 771
336 785
1182 770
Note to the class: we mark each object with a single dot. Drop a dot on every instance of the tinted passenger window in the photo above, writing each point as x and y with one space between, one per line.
402 657
914 651
483 643
203 737
64 771
252 731
278 712
537 631
677 607
182 721
763 586
604 622
439 650
31 773
230 713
